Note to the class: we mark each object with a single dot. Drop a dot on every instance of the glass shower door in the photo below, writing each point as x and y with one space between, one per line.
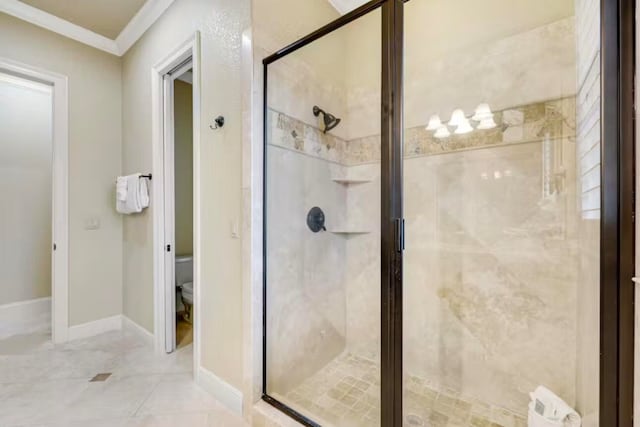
322 226
502 209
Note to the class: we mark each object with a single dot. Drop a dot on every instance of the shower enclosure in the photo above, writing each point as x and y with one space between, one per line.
441 179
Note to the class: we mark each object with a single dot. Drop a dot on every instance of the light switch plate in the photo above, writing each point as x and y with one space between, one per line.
235 229
92 223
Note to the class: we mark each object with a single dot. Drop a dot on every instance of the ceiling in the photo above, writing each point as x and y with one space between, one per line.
105 17
109 25
344 6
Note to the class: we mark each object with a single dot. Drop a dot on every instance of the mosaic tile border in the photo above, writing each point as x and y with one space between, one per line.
554 119
286 132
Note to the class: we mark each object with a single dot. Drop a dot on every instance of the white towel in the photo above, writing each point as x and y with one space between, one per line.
552 408
137 195
143 193
121 189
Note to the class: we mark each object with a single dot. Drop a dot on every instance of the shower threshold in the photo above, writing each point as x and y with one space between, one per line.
345 393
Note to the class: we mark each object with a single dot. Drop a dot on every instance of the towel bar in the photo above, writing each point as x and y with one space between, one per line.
148 176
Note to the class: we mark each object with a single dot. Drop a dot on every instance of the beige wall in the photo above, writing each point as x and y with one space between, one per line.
25 187
221 23
95 266
276 23
183 158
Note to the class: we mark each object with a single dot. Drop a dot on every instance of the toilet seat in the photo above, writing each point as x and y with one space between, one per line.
187 292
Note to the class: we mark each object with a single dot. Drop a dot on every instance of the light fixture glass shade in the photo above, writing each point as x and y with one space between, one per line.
434 122
464 127
483 112
442 132
457 117
487 123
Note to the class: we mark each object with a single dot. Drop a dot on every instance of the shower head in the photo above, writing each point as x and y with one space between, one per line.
330 121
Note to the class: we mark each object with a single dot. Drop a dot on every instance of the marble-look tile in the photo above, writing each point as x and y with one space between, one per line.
39 402
490 274
177 393
305 323
217 418
112 399
492 247
48 385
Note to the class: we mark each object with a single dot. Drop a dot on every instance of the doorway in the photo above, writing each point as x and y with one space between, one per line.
178 203
179 208
433 197
176 111
33 106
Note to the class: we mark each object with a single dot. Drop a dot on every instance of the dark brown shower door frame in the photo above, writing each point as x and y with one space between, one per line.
617 239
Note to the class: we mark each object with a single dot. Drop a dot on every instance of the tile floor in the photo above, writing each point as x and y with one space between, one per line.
48 386
345 393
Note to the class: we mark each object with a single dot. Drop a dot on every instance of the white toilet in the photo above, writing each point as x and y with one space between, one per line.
184 283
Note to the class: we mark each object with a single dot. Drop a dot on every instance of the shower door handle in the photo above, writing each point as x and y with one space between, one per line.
399 234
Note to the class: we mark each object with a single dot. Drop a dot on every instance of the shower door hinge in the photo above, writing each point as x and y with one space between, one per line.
399 232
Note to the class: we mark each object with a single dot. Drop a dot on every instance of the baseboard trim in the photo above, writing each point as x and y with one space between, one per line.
25 311
224 392
89 329
136 328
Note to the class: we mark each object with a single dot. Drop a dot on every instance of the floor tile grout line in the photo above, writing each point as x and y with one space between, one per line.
66 360
146 399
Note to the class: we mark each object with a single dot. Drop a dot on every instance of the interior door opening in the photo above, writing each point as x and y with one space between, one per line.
178 206
27 256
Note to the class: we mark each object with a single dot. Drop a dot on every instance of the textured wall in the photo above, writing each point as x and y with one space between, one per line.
221 23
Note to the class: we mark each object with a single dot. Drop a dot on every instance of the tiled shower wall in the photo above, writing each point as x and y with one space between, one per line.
491 271
491 257
305 270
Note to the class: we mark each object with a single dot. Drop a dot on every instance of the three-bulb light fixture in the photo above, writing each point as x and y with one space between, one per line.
483 117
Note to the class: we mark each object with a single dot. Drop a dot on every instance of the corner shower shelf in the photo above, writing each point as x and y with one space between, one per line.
348 181
348 231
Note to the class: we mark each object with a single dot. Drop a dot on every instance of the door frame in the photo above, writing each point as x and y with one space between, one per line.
617 241
387 260
60 190
617 227
164 289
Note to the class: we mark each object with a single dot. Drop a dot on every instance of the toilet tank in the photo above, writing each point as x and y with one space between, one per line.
184 269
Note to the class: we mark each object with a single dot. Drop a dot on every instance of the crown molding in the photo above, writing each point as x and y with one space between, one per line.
140 23
63 27
146 16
